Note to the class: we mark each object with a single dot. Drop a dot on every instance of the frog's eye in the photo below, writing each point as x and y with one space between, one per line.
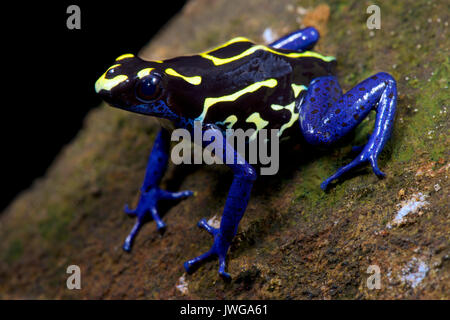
148 89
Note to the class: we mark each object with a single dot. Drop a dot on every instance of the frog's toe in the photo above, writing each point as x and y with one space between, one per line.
167 195
130 212
324 184
191 265
147 210
130 238
364 157
222 266
219 250
356 162
376 170
204 225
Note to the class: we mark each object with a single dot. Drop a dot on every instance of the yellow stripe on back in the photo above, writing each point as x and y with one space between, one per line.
229 121
234 40
259 123
249 51
232 97
298 88
294 115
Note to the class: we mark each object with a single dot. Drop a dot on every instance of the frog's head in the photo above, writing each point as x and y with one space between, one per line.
135 85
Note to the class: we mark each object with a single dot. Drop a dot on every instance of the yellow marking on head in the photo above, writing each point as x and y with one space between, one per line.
144 72
298 88
107 84
294 115
124 56
231 120
232 97
249 51
196 80
113 66
259 123
234 40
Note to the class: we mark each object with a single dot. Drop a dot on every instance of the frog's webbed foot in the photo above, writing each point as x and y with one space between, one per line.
364 157
147 210
327 115
219 249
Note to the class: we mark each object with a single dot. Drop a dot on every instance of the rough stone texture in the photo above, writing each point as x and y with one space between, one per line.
295 241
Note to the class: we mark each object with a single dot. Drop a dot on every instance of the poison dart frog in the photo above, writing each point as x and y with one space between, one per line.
284 85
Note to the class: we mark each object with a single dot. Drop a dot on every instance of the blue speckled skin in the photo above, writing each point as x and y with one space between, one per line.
326 115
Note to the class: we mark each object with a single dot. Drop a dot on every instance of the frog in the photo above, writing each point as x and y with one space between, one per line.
284 85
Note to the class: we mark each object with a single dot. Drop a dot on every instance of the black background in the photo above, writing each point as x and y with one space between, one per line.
52 70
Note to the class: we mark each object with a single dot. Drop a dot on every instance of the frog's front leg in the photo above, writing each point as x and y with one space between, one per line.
151 194
235 205
326 115
300 40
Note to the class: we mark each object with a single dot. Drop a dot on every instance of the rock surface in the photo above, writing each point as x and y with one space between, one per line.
295 241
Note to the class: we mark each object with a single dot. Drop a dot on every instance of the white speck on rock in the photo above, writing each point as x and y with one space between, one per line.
416 202
214 222
414 272
182 285
269 36
302 11
290 7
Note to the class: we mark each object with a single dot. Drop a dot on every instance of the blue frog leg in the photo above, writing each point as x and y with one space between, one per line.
327 115
235 205
299 40
151 194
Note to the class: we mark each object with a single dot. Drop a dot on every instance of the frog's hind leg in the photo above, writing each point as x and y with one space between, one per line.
327 115
300 40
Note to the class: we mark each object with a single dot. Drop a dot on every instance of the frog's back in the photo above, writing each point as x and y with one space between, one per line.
246 85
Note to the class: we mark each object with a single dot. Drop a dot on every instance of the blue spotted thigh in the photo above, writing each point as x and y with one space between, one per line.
326 115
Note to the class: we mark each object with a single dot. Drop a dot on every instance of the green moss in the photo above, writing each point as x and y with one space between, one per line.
404 153
440 149
14 252
54 227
